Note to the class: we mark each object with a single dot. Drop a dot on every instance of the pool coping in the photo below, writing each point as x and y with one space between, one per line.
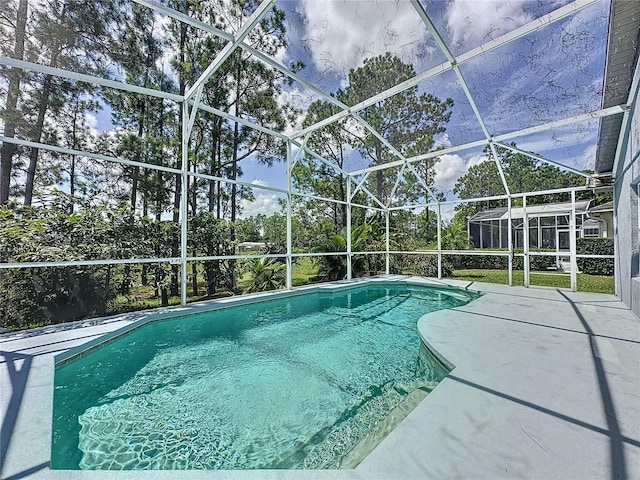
474 424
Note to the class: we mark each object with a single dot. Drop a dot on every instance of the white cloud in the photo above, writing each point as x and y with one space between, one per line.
341 34
265 202
299 99
451 167
442 140
475 22
587 161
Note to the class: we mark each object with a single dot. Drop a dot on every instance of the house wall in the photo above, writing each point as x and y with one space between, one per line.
626 217
608 217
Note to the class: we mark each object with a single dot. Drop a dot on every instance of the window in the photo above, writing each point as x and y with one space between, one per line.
591 232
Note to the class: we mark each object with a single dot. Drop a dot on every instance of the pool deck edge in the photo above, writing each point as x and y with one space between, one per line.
546 384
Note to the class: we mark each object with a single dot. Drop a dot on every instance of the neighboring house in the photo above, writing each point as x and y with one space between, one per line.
246 247
603 215
548 225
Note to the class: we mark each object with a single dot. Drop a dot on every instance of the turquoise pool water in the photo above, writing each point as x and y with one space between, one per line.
309 381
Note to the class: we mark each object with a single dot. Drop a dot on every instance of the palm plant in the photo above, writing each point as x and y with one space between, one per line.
455 237
268 274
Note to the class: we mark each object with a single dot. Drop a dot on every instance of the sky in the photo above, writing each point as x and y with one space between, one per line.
549 74
552 73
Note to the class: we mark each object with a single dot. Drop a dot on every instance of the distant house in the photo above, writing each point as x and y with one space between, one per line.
247 247
603 215
548 225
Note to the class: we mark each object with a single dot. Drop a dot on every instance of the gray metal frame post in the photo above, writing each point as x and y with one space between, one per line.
509 240
386 218
439 242
289 246
572 244
183 203
349 272
525 240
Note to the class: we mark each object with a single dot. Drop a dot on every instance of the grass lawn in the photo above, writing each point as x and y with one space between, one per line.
586 283
303 269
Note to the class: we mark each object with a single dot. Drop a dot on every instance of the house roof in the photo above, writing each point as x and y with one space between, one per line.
605 207
622 54
542 210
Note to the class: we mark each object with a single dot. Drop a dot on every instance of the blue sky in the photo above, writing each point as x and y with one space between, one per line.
552 73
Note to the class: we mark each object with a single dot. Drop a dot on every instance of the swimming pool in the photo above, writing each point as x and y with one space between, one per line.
306 381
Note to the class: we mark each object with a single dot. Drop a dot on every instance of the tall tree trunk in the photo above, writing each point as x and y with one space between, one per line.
43 106
107 287
343 197
379 173
13 92
213 164
194 278
74 145
194 192
159 180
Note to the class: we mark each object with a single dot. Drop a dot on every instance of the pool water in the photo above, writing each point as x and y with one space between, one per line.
309 381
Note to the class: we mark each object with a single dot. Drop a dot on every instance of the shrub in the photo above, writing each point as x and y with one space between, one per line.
595 246
499 262
422 265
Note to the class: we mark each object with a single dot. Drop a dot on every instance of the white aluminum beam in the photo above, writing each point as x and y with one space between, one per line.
194 110
421 181
230 47
509 240
439 230
543 159
328 163
418 158
230 181
240 120
81 77
605 112
289 213
84 263
349 273
573 245
79 153
593 115
386 242
463 83
499 167
399 176
532 26
527 28
234 257
184 194
360 184
184 18
378 135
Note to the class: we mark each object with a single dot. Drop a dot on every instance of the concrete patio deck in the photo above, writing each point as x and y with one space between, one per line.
546 384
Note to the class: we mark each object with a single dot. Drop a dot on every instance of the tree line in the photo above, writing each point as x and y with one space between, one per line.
57 206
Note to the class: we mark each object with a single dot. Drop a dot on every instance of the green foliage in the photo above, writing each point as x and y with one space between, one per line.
455 237
595 246
268 273
496 262
210 237
334 267
422 265
409 120
55 294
